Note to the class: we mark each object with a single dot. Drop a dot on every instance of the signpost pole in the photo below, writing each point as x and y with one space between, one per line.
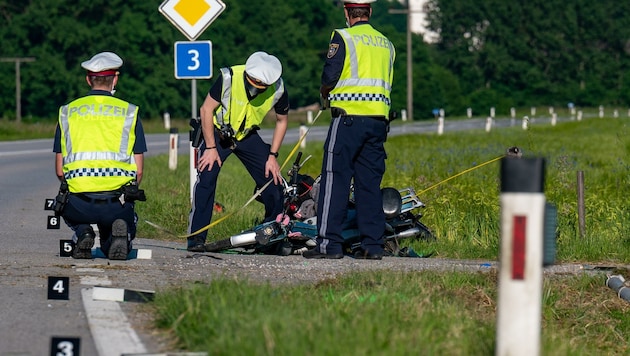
193 60
193 150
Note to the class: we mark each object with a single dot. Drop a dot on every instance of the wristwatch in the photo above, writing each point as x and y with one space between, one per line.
275 154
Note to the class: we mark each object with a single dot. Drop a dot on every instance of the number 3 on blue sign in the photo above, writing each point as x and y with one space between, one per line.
193 60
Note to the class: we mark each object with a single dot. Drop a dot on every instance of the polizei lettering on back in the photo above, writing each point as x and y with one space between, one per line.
377 41
97 110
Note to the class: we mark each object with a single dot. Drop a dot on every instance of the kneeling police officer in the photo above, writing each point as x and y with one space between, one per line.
99 156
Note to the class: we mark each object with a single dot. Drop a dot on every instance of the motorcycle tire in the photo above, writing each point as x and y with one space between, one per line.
217 246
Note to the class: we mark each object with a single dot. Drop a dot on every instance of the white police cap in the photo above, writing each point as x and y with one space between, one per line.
264 67
357 3
103 64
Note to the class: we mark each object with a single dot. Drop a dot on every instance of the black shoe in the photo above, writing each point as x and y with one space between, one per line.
362 254
314 253
119 248
83 247
196 244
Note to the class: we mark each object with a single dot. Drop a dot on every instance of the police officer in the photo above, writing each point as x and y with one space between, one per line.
356 84
99 145
234 107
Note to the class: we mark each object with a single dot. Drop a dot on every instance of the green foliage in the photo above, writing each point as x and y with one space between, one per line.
543 52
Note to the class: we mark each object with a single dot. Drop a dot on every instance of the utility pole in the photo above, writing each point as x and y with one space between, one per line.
18 90
409 60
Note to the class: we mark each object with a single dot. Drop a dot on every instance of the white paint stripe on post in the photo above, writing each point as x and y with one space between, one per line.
111 331
519 311
192 169
172 149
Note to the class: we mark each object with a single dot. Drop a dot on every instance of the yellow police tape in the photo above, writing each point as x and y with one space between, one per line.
460 173
297 145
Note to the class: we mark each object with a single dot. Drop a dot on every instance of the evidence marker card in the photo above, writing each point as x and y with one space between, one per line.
65 346
58 288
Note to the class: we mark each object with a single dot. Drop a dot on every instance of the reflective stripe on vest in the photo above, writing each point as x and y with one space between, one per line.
365 90
97 137
236 109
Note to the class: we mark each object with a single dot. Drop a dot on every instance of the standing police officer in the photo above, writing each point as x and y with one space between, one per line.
234 107
99 145
356 84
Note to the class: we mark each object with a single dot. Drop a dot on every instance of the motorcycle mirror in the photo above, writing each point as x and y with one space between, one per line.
392 202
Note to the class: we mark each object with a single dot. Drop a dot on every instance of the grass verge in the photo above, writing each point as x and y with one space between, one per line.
385 312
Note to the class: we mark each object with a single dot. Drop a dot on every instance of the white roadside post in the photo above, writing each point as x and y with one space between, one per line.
440 128
488 123
303 131
554 118
519 309
524 124
167 121
173 142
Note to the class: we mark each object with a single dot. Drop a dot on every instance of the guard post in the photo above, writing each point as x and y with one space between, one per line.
519 310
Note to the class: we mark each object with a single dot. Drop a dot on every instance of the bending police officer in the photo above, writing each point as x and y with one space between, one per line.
234 107
99 145
356 83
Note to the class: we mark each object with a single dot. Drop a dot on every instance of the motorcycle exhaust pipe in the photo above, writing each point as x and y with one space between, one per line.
413 232
247 238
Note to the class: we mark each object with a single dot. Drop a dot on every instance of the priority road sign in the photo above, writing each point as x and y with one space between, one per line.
193 60
191 17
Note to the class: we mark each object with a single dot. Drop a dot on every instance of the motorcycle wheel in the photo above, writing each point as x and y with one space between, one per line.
217 246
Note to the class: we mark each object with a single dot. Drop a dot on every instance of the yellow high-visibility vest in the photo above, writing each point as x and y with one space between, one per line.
365 89
237 110
97 138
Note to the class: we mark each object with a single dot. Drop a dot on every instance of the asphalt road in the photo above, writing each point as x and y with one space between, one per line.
30 255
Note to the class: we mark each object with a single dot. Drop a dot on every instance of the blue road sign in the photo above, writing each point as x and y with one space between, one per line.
193 60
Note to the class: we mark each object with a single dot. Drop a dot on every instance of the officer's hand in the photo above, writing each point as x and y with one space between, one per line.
324 103
207 159
272 167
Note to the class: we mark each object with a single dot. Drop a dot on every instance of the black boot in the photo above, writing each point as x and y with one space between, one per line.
119 247
83 247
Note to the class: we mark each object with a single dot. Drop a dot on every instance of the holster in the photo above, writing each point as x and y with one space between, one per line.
61 199
132 193
196 134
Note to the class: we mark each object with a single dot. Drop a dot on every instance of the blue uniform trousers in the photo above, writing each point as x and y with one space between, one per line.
253 152
353 149
84 209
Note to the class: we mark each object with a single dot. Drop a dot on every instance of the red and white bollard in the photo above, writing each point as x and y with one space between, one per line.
521 258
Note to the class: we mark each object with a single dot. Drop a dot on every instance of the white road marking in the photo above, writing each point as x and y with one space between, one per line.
111 331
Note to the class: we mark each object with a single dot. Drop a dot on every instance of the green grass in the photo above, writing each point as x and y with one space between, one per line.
385 313
462 209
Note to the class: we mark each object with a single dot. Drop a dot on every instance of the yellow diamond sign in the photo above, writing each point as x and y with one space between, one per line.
191 17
